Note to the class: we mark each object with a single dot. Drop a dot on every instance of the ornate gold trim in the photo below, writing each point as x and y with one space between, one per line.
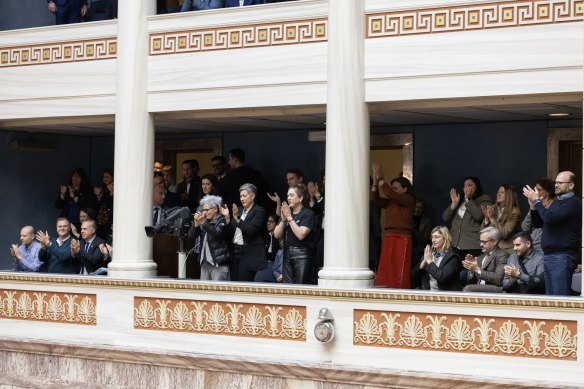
370 295
501 336
282 322
60 52
518 13
51 307
239 37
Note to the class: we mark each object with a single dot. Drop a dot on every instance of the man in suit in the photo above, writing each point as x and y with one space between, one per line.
247 227
189 188
90 251
486 273
241 3
68 11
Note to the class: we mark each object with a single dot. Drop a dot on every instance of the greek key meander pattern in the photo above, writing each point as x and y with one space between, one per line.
281 322
59 52
518 337
238 37
474 17
48 306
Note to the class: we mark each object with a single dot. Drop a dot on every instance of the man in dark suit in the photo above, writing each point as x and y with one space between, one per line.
189 188
238 3
90 252
486 273
68 11
247 228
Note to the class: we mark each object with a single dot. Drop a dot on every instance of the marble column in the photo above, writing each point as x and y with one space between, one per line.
346 263
134 145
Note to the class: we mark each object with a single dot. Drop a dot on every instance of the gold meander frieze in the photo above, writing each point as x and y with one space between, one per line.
239 37
58 52
283 322
488 335
377 295
54 307
470 17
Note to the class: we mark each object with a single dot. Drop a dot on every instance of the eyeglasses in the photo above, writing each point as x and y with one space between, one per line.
485 241
562 182
207 209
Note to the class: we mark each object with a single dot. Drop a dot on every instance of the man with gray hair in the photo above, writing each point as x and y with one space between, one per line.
26 256
209 228
486 273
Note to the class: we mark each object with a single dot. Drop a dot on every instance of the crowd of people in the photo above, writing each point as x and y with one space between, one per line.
242 232
76 11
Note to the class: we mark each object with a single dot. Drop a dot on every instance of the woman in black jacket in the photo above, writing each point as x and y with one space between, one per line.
209 228
441 262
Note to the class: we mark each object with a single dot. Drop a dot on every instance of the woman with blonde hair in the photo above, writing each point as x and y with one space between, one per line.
441 262
504 215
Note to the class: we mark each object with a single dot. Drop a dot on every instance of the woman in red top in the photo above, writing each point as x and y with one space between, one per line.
396 253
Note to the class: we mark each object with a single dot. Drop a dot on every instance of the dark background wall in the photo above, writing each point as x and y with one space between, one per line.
24 14
444 154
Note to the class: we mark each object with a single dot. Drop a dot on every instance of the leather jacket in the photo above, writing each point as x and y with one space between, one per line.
217 239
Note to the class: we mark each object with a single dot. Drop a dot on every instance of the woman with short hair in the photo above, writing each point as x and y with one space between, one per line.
246 228
440 262
296 229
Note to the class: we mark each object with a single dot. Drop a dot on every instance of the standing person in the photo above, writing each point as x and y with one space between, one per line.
26 256
68 11
394 265
440 262
545 187
466 217
561 225
296 228
219 165
209 184
210 229
504 215
168 179
56 254
247 229
74 196
189 188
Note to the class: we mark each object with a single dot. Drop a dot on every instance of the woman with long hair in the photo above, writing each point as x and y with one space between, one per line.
394 268
465 215
296 229
440 261
504 215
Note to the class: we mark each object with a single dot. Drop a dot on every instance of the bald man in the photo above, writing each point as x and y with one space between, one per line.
561 225
26 256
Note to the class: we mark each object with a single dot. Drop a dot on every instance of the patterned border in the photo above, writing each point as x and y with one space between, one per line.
77 51
280 322
516 13
51 307
371 295
239 37
517 337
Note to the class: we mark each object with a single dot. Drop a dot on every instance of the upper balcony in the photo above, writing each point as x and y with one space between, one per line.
275 55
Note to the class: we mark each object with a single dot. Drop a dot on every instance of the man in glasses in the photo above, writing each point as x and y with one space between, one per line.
486 272
561 225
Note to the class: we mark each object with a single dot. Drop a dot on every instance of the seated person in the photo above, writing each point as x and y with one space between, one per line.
440 262
209 228
485 273
88 251
26 256
198 5
524 269
278 263
56 254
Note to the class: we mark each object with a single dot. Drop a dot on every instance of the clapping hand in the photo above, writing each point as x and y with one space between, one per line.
15 252
225 212
313 189
454 198
285 211
43 238
470 263
75 247
531 195
376 171
199 218
275 197
235 212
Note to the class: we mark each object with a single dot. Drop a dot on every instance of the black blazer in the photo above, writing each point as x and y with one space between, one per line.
92 259
447 274
253 229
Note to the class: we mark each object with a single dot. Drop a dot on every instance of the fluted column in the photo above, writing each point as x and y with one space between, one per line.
347 151
134 145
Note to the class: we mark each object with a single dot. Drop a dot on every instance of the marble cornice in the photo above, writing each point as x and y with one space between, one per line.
348 375
375 295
